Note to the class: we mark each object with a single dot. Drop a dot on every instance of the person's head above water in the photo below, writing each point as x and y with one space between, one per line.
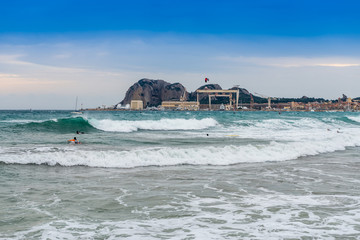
74 138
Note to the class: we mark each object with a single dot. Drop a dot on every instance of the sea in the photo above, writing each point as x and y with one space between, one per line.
179 175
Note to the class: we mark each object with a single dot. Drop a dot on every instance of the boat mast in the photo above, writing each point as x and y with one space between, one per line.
76 103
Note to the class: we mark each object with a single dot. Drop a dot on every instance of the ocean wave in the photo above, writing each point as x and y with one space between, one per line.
24 121
284 124
162 124
303 129
211 155
354 118
62 125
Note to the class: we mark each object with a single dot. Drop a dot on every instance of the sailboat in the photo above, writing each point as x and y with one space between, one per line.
76 111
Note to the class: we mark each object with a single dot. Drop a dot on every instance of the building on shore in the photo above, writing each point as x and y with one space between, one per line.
216 93
180 105
136 105
186 105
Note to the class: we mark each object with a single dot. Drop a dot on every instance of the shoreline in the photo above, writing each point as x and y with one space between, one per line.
206 110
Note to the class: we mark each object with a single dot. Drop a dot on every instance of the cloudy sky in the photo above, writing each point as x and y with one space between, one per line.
53 51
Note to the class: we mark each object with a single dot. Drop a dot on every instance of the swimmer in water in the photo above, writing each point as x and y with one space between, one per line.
75 141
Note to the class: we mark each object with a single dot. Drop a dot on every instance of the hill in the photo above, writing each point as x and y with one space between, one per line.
154 92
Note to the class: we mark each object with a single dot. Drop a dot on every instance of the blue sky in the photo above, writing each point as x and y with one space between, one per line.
257 17
53 51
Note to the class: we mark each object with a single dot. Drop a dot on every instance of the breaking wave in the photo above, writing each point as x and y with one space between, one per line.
228 142
64 125
354 118
212 155
162 124
67 125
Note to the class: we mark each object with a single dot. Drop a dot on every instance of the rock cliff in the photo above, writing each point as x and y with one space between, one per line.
153 92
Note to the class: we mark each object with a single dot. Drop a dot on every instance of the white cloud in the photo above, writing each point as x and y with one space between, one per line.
13 60
295 61
339 64
100 72
8 76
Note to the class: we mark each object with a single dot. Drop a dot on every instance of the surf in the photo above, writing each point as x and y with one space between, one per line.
166 124
62 125
171 156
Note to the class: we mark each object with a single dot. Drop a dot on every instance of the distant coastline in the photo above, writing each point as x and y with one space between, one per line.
239 110
150 94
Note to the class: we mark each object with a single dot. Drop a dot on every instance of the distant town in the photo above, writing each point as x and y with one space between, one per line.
148 94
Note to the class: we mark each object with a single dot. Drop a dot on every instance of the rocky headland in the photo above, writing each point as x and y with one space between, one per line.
154 92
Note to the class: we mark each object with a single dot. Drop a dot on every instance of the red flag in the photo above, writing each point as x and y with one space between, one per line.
206 79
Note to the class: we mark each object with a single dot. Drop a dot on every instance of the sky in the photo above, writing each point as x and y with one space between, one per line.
54 51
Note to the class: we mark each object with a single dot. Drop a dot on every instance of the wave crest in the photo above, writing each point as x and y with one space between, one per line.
162 124
211 155
63 125
354 118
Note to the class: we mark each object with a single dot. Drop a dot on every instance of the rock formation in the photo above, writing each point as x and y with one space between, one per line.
343 98
153 92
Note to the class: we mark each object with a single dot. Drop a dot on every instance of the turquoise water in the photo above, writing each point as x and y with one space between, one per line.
179 175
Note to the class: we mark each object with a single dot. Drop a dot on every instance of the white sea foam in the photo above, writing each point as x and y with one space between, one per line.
24 121
253 213
284 124
269 216
304 129
213 155
289 139
162 124
354 118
